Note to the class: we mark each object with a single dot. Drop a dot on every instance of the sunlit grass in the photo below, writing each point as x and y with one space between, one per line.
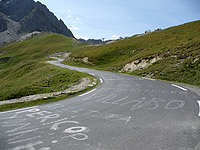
176 46
26 72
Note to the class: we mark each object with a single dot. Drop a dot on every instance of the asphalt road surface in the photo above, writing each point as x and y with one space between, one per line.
122 113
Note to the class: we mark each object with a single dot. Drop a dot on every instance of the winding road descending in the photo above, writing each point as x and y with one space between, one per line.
122 113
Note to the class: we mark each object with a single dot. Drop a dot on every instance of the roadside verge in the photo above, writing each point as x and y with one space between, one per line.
83 85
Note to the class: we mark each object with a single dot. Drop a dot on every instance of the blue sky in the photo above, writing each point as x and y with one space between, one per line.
113 18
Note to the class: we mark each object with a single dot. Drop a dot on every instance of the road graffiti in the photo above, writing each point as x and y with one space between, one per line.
166 92
22 134
175 104
142 102
30 146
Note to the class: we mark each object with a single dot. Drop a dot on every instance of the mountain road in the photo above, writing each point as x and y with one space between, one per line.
123 112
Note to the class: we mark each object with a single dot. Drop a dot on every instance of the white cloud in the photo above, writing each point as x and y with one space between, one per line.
72 27
81 37
77 20
69 16
74 20
115 37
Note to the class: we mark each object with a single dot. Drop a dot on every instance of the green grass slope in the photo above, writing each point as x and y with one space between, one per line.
179 48
23 70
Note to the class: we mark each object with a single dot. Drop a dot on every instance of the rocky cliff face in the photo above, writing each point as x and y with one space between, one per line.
32 16
3 24
9 29
16 9
41 19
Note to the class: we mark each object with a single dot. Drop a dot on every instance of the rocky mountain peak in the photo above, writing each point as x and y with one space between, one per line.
32 16
16 9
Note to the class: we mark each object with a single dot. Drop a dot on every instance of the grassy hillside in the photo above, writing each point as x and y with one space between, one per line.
23 70
178 47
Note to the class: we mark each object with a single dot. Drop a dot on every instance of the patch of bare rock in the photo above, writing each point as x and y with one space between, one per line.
139 64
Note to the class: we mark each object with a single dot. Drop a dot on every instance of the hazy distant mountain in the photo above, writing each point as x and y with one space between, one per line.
31 16
95 41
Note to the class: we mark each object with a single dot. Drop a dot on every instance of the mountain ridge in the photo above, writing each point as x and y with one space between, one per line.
32 16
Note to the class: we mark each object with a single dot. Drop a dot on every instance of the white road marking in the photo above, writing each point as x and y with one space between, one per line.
18 110
179 87
87 92
92 74
199 106
101 80
148 79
